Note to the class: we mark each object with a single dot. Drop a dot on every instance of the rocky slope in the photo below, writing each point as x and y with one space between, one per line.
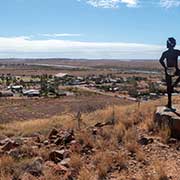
116 143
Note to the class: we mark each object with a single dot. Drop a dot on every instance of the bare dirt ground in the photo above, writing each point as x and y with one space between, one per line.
24 108
127 64
27 72
123 68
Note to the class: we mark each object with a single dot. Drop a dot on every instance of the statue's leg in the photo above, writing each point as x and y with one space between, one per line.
169 90
176 82
178 79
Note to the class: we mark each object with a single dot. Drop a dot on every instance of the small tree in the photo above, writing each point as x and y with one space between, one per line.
44 85
132 91
153 88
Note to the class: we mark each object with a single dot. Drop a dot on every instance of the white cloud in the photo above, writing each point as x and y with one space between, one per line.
132 3
170 3
61 35
111 3
26 47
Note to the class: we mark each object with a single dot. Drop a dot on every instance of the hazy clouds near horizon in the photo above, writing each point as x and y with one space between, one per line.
26 47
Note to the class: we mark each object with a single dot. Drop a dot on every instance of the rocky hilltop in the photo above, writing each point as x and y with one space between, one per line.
116 143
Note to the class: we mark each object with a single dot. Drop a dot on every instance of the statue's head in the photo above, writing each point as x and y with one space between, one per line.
171 43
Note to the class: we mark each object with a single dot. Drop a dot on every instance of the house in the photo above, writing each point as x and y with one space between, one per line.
154 96
80 78
60 75
62 93
16 88
32 93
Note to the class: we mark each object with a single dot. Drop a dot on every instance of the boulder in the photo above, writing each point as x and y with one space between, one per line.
68 137
37 139
35 168
58 155
26 176
64 137
65 162
75 146
58 141
15 153
94 131
145 141
19 140
4 141
87 149
172 141
164 117
9 145
46 142
57 169
53 133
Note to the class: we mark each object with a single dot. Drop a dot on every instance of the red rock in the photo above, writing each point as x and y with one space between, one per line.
165 117
75 146
145 141
58 155
56 168
35 168
9 145
15 153
87 149
65 162
58 141
68 137
53 133
27 176
94 131
46 142
37 139
19 141
4 141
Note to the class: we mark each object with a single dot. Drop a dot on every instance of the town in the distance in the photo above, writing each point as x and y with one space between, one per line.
120 79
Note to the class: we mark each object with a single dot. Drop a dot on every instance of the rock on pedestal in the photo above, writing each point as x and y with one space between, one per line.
165 117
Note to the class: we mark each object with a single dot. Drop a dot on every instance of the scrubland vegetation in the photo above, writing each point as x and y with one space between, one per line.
118 142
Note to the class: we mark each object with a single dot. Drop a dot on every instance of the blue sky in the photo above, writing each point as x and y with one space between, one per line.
117 29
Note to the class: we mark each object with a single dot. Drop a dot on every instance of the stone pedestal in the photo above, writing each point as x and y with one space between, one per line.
171 118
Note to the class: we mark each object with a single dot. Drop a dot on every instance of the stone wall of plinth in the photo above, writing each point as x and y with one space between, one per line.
165 117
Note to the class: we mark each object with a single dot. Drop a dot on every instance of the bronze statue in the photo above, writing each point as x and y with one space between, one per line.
170 67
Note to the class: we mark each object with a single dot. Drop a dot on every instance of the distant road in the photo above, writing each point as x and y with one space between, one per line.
105 93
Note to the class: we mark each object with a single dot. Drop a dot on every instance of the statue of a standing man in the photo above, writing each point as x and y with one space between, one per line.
170 67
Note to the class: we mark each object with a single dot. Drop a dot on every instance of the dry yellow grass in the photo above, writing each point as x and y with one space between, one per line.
6 164
165 134
103 162
84 137
127 115
29 127
5 176
130 140
140 155
86 173
160 171
107 143
119 131
76 161
9 166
